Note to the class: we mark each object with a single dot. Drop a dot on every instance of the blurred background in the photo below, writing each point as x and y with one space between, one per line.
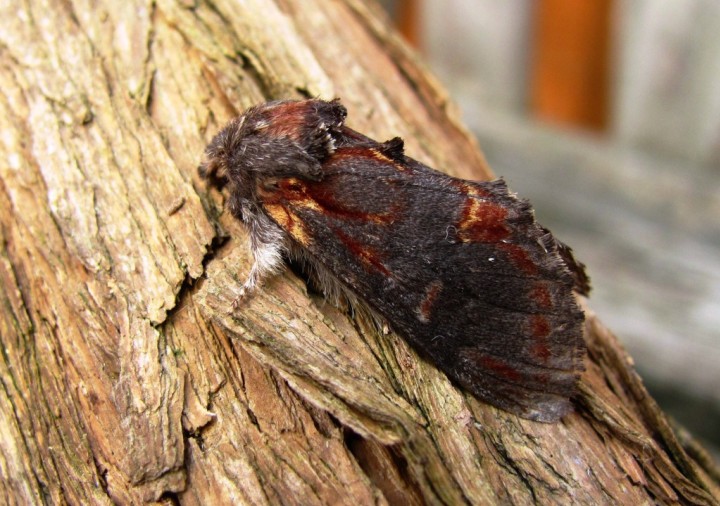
606 115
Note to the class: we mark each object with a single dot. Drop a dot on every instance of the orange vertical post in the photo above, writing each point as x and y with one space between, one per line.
570 62
407 18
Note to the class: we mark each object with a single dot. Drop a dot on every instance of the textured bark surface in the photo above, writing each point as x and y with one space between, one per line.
124 376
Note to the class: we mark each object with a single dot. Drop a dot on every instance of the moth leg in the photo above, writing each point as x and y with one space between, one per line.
268 261
267 245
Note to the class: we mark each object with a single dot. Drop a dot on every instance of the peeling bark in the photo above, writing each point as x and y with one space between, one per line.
124 377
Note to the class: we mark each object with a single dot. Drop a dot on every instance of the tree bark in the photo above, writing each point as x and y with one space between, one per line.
125 378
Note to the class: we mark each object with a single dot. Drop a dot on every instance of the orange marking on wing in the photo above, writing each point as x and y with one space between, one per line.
289 222
482 221
499 367
320 197
431 294
364 152
540 329
381 157
470 189
323 195
541 295
367 255
290 190
519 257
540 326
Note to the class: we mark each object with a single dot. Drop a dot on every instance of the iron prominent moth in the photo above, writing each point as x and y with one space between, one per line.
458 268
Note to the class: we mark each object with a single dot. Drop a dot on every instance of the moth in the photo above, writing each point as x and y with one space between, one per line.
458 268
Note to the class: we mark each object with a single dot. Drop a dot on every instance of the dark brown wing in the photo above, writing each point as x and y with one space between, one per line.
460 269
